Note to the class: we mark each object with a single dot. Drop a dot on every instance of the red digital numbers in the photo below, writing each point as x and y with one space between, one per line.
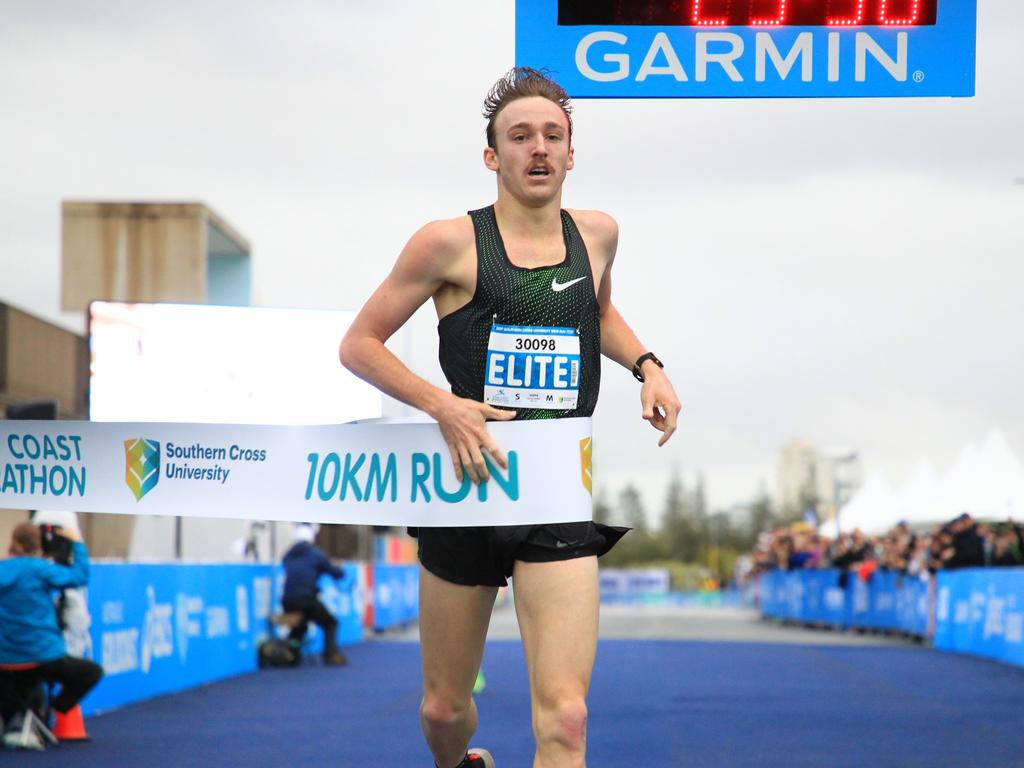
750 13
907 13
702 18
912 11
775 18
854 10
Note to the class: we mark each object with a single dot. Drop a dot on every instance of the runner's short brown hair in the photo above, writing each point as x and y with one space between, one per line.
518 83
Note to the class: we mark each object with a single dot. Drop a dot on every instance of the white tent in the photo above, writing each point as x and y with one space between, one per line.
951 494
871 507
998 489
988 483
915 493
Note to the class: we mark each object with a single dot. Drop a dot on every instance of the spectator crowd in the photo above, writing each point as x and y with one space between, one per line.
961 543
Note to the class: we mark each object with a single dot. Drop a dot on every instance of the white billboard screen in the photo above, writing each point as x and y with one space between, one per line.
227 365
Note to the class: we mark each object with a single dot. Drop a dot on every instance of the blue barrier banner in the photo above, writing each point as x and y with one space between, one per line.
809 596
625 582
812 597
824 600
881 612
773 594
162 628
886 601
912 606
858 601
395 595
158 629
981 611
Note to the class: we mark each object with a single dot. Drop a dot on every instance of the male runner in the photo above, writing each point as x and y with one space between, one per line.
521 263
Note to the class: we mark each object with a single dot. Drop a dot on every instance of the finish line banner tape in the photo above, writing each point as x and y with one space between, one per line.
363 473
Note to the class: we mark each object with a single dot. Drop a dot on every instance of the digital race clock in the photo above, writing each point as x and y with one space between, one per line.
750 48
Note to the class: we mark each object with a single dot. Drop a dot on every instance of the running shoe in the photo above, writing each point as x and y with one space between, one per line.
478 758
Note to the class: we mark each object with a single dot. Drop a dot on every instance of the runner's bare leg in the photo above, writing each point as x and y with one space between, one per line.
557 607
453 626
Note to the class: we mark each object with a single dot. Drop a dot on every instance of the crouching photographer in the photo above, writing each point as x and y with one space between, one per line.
32 648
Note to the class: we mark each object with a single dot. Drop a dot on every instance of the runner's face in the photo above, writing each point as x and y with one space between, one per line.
533 152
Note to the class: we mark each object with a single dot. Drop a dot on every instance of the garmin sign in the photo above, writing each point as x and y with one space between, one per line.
764 48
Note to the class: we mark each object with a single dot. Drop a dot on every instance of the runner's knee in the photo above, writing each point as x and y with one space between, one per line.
440 711
564 723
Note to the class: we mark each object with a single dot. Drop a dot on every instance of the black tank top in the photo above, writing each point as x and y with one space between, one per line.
513 295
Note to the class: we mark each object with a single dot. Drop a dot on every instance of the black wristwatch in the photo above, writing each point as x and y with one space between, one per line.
637 373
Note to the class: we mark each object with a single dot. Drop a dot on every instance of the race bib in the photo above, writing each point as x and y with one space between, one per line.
532 367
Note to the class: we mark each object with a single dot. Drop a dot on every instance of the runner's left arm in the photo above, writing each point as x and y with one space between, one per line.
658 398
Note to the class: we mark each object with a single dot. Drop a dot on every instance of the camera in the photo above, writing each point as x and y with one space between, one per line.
55 545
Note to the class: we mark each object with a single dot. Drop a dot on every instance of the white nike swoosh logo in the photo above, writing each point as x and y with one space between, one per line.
557 286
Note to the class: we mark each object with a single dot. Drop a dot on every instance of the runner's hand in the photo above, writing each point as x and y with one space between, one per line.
661 407
464 428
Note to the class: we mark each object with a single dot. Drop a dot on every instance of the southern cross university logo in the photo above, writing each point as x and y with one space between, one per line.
586 462
141 465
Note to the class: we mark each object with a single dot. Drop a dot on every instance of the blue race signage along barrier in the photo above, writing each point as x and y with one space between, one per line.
719 48
819 598
913 606
980 611
634 582
158 629
162 628
395 595
887 601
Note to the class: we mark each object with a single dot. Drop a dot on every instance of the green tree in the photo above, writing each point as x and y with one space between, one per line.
631 509
700 504
640 546
677 530
762 514
602 509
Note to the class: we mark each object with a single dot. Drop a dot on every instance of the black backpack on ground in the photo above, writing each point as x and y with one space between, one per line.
277 652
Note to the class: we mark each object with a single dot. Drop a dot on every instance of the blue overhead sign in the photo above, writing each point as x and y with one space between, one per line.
751 48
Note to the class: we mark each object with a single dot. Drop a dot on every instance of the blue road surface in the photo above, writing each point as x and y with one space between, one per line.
653 703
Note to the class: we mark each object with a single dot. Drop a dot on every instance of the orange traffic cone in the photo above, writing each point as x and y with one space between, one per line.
69 726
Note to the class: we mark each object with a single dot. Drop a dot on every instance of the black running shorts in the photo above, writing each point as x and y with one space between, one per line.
485 556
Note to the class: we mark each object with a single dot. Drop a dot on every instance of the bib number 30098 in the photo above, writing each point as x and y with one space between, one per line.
532 367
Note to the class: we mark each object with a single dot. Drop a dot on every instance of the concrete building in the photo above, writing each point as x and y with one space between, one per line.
808 477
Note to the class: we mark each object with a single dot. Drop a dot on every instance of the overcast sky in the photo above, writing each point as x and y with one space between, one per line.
845 271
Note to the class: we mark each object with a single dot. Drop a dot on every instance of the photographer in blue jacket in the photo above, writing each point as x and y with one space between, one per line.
32 647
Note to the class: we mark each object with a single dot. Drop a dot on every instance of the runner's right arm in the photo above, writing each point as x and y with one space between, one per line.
425 265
